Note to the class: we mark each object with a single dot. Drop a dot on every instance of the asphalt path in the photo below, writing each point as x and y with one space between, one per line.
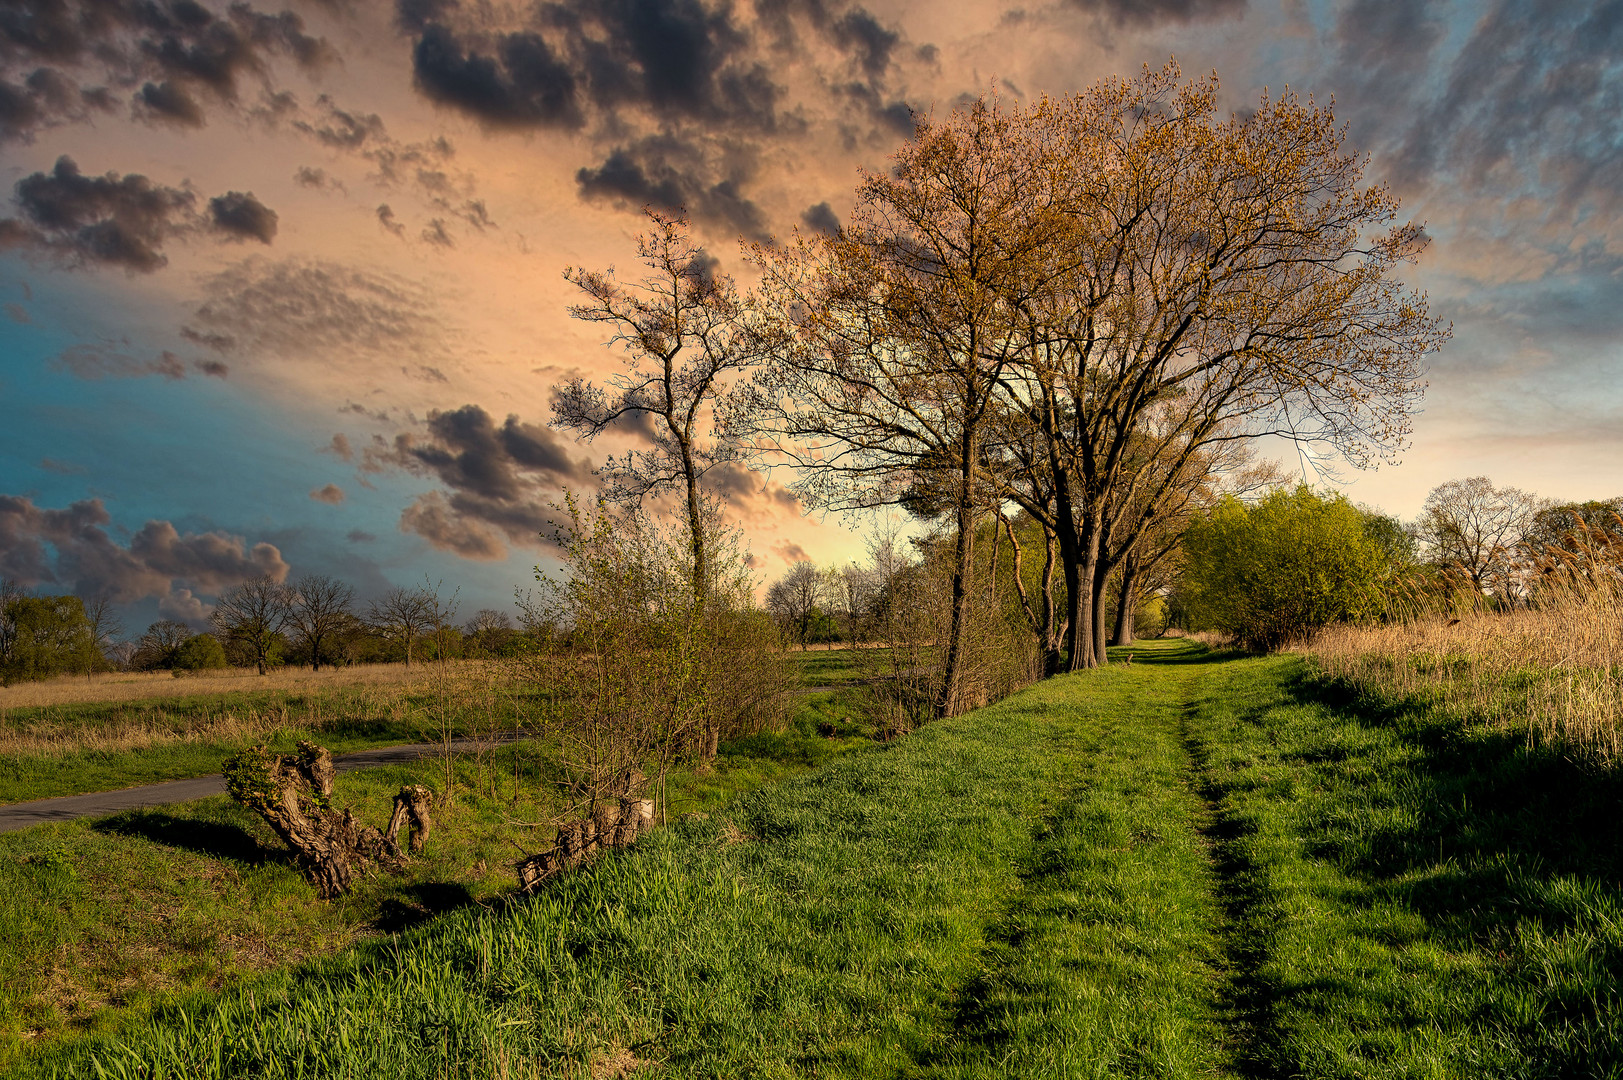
101 803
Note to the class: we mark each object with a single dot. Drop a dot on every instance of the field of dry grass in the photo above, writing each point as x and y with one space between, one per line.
139 685
1554 667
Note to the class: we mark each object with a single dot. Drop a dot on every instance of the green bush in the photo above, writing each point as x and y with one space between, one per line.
1272 573
201 652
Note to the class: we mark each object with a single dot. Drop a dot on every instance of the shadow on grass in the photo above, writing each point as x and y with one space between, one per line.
416 904
1501 848
214 838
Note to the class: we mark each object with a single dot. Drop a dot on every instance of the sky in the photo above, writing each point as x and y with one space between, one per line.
281 288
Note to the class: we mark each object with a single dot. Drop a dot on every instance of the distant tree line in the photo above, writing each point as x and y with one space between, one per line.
264 624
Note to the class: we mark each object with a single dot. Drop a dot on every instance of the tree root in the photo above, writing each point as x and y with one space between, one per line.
292 794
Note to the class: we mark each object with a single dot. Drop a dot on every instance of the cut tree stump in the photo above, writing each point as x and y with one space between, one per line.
609 825
293 794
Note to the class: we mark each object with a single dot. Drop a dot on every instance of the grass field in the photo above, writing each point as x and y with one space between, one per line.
1197 866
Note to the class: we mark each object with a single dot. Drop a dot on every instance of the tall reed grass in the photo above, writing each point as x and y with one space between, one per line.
1550 662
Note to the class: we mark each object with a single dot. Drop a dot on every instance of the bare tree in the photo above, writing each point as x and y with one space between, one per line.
105 624
793 597
685 333
1481 531
319 613
253 614
160 646
898 331
404 615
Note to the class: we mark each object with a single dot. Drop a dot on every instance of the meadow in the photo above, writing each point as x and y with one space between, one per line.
1200 865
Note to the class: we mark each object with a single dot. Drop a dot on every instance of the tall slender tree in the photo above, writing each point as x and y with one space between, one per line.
686 334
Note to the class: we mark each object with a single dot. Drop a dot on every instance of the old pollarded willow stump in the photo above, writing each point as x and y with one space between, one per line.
293 794
615 823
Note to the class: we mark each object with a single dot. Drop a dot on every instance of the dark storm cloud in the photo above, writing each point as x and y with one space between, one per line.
499 479
1531 103
520 83
681 90
671 175
1154 12
177 51
111 219
820 218
45 98
306 309
242 217
118 220
71 548
166 102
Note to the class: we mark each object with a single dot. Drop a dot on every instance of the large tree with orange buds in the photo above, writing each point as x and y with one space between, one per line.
1125 276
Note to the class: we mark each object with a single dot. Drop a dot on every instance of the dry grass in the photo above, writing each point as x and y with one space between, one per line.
139 685
1554 667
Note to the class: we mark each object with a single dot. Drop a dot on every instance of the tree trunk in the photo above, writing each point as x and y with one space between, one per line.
1126 602
1101 596
952 671
610 824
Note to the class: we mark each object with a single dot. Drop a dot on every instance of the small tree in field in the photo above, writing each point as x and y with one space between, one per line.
1272 573
253 615
319 612
404 615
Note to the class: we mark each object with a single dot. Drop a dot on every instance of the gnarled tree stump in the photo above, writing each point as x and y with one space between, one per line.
293 793
610 824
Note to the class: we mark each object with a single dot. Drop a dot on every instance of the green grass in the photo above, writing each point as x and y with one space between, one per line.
857 921
1410 897
343 719
109 915
1197 866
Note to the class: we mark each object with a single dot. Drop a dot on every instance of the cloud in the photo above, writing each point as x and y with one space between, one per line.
387 220
434 233
302 309
182 606
177 51
62 467
108 361
45 98
672 175
242 217
216 369
685 94
340 448
359 536
118 220
500 479
820 218
1153 12
519 84
306 176
441 525
332 494
18 314
71 548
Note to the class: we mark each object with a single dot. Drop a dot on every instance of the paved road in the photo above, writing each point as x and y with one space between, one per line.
100 803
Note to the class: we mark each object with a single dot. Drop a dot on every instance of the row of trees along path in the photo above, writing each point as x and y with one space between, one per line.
1083 308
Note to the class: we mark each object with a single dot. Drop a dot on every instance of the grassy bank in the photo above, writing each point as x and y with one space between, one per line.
1195 866
863 920
1409 896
